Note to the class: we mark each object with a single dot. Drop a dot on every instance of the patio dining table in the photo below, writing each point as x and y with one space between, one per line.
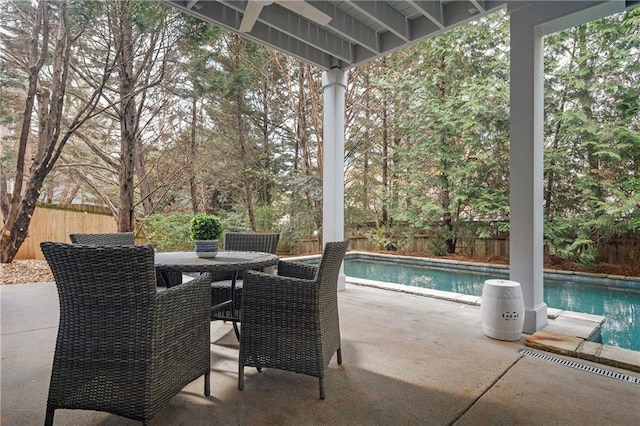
232 262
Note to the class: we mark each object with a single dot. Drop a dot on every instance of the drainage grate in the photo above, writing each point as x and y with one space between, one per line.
583 367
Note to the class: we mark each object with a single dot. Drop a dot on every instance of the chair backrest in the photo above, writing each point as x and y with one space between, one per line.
100 287
107 239
330 264
239 241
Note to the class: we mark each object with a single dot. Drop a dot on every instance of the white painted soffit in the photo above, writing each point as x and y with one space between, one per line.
358 31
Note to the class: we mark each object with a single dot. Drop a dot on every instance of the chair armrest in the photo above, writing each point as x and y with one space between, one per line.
297 270
266 297
185 303
181 334
181 321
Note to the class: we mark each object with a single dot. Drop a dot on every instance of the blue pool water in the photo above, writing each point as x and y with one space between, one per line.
620 306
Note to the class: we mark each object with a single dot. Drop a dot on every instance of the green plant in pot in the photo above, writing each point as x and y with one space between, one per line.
204 231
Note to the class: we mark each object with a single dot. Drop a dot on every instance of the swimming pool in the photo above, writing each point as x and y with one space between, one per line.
620 306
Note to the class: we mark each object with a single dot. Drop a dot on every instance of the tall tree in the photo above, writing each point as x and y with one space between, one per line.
47 72
593 135
144 117
453 167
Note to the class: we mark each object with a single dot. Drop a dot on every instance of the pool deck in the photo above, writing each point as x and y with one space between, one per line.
567 333
408 360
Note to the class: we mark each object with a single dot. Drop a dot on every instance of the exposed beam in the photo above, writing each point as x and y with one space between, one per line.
433 10
345 42
293 25
479 5
229 18
455 13
386 16
349 27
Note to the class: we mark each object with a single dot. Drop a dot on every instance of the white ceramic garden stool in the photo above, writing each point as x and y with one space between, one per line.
502 309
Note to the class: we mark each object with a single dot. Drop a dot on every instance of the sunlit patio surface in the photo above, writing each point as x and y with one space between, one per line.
407 359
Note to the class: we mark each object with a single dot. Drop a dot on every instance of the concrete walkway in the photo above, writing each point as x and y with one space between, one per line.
407 360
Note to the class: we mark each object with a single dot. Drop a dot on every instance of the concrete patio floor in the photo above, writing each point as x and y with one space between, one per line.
407 360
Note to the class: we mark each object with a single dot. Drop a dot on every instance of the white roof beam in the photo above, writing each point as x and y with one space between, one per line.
455 13
479 5
229 18
385 16
295 26
349 27
433 10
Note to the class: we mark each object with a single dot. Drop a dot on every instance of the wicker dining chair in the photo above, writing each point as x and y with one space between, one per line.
122 346
290 320
163 279
105 239
238 241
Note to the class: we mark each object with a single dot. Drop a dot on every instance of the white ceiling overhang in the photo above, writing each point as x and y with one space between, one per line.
359 31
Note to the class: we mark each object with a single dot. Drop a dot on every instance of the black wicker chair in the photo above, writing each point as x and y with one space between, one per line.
106 239
122 346
236 241
163 279
290 320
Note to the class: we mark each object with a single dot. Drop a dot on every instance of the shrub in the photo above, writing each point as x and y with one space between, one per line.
437 246
205 227
167 232
383 239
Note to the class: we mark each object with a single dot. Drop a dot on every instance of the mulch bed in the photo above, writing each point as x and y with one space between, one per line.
25 272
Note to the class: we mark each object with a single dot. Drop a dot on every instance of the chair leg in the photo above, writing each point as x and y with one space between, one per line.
240 377
48 420
207 383
321 380
339 356
236 330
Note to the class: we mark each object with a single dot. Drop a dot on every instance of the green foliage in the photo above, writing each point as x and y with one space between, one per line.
301 208
592 156
383 238
205 227
167 232
570 240
437 245
234 221
266 218
453 163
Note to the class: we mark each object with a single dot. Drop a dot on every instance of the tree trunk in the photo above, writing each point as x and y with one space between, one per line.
385 160
18 217
4 195
127 123
50 142
193 184
247 181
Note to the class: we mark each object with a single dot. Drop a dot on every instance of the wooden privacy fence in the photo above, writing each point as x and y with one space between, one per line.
623 251
56 224
490 247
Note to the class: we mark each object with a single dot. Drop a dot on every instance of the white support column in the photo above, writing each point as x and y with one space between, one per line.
334 83
526 166
530 22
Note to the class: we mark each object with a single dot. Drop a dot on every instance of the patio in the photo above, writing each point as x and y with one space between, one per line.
407 360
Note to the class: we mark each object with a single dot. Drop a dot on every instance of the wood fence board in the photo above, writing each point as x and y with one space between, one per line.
51 224
56 225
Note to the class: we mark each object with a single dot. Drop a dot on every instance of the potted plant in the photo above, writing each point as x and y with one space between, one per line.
204 231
